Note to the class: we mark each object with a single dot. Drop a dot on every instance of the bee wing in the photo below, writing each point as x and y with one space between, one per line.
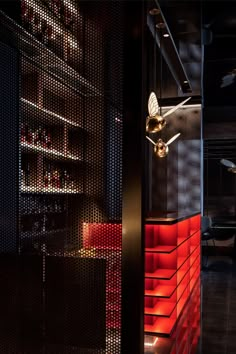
172 139
151 140
153 105
172 110
227 163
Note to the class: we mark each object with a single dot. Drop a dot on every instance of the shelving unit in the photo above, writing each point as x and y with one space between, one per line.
52 122
172 268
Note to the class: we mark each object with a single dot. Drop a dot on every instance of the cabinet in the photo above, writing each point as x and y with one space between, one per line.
51 130
172 269
67 131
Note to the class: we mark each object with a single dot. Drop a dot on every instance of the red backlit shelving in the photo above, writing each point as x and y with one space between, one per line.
172 269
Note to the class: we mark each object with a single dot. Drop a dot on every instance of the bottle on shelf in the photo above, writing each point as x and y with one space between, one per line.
55 179
44 32
44 222
24 13
48 140
23 133
22 178
68 19
37 27
30 136
27 174
30 17
47 178
72 183
66 179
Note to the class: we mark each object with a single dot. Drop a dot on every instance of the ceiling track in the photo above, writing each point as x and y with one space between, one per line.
158 26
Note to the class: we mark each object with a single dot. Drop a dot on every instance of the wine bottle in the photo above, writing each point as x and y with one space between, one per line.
22 178
31 19
39 137
22 133
27 174
38 27
49 141
24 14
44 32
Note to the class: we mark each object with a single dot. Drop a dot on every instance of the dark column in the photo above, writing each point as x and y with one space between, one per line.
9 153
133 168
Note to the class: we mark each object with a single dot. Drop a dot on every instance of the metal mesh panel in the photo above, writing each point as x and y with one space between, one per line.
64 293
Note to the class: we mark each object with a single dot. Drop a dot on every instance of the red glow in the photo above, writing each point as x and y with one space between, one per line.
172 270
103 236
106 242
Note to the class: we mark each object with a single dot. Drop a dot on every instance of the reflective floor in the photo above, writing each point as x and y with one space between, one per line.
218 307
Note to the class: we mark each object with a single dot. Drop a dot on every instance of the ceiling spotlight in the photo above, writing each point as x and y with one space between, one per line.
154 11
161 148
166 35
185 81
160 25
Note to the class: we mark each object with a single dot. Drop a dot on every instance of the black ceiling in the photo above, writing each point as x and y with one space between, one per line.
204 33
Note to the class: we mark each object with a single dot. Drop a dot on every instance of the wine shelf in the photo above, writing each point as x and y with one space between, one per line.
49 152
47 15
42 57
45 115
51 190
31 234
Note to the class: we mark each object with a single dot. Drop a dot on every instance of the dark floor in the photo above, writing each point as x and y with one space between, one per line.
218 333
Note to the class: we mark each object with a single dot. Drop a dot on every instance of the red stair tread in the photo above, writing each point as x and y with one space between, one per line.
162 326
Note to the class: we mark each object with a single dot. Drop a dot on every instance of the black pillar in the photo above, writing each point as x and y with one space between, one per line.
133 172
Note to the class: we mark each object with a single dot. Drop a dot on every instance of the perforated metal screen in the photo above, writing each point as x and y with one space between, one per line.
64 292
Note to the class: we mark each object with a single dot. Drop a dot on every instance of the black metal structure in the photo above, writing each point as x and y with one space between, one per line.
72 170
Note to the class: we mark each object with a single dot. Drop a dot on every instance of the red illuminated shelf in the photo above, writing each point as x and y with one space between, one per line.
161 291
169 248
167 274
166 291
164 274
162 326
161 249
179 272
161 309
